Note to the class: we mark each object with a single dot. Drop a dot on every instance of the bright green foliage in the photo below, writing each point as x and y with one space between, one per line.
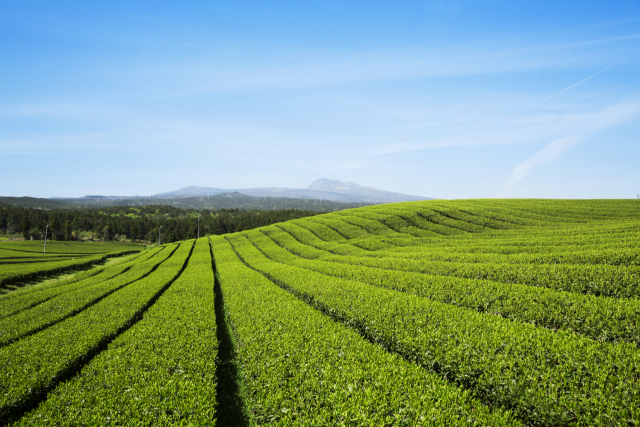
601 275
547 378
75 248
8 256
159 372
612 281
74 299
472 312
25 260
343 228
29 297
300 368
10 273
33 365
322 231
605 319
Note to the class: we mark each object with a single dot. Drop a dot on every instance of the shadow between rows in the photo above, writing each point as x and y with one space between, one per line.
231 409
11 414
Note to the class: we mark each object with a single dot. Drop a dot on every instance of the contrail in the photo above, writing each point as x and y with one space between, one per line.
559 92
516 112
548 154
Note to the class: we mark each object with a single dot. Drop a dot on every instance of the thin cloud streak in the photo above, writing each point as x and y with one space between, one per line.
611 116
548 154
527 130
528 107
275 72
493 122
565 130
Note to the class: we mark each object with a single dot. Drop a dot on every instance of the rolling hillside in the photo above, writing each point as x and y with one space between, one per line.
468 312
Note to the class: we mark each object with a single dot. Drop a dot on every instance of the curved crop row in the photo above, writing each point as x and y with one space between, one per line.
12 273
606 280
17 301
81 296
159 372
37 363
301 368
379 247
602 319
545 377
67 248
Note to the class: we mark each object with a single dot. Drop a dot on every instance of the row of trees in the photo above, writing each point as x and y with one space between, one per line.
137 224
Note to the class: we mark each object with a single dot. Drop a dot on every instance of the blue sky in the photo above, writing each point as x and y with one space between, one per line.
462 99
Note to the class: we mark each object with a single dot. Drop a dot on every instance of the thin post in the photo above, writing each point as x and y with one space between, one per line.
159 236
45 238
198 226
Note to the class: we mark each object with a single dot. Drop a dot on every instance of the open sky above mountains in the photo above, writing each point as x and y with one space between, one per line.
435 98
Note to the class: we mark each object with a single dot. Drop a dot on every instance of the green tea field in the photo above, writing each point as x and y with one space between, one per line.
24 260
440 313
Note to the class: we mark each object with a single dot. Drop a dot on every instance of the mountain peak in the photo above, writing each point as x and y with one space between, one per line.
325 184
323 189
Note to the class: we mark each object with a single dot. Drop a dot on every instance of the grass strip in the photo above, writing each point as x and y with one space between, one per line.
30 297
12 273
598 280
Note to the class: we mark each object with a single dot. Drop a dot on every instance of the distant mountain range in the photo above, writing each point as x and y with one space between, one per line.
322 189
321 195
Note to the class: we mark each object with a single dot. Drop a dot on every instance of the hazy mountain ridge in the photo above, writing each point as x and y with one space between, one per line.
335 185
322 189
322 194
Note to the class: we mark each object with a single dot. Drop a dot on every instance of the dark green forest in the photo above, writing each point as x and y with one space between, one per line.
216 202
140 223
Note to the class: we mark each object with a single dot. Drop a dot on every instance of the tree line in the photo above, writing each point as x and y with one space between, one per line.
215 202
140 223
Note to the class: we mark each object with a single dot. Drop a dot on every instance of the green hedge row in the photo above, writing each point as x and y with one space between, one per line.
600 318
301 368
159 372
36 364
75 298
12 273
19 300
545 377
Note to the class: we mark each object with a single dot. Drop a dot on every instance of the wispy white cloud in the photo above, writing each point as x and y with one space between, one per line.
275 69
548 154
551 152
561 91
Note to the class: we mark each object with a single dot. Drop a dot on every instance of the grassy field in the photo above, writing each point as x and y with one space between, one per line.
470 312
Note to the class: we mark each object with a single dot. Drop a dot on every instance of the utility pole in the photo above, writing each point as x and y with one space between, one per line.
45 238
198 226
159 235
